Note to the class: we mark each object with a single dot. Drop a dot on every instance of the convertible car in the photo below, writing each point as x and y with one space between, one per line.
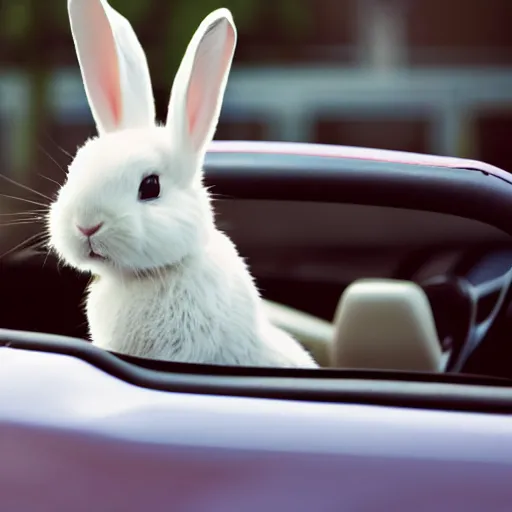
393 269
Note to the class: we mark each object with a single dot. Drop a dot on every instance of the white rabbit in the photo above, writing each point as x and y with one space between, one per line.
134 212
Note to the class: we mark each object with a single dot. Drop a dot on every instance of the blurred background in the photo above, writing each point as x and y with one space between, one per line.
431 76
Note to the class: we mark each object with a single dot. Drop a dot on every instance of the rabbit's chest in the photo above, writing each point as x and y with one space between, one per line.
171 321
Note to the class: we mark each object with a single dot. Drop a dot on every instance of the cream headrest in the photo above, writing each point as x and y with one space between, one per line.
385 324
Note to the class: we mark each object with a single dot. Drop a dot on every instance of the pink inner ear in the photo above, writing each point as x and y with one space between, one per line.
207 74
112 93
100 63
193 105
109 68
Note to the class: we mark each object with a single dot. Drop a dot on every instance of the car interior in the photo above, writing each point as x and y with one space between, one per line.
404 272
353 267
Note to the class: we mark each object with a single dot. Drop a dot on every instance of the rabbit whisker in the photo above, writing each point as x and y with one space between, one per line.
25 187
53 159
46 257
50 179
22 214
60 148
24 200
24 245
21 222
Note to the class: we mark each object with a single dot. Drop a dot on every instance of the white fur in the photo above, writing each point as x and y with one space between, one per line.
171 286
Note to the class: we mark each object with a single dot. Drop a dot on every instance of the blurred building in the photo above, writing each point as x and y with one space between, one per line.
419 75
430 76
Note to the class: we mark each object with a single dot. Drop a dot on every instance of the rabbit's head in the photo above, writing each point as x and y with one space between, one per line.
133 199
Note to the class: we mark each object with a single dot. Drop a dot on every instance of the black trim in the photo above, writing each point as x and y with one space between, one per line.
462 192
398 389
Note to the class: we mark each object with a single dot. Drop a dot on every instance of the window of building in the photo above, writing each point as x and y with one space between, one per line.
457 32
397 134
492 131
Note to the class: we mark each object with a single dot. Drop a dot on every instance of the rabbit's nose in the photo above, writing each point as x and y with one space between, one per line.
89 231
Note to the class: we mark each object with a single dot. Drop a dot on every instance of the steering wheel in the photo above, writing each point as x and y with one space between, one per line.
457 304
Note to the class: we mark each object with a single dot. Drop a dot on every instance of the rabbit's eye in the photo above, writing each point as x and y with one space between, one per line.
149 188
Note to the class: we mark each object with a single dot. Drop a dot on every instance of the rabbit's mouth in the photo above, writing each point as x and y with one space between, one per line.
95 256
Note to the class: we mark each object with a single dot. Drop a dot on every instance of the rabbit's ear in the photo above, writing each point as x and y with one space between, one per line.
113 66
200 82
